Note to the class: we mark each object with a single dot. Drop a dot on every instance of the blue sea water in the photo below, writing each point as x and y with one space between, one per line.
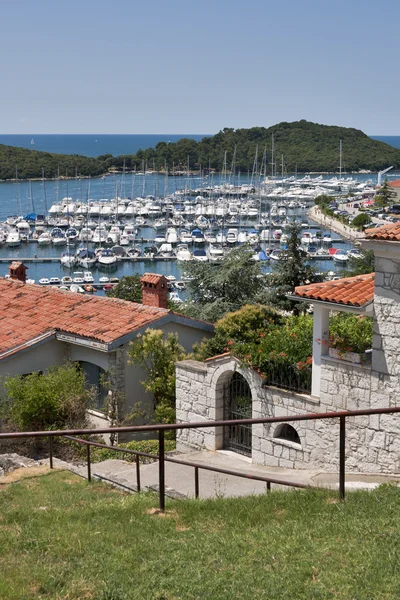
392 140
92 145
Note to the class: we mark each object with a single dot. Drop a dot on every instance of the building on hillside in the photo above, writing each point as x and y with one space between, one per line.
220 388
41 327
395 186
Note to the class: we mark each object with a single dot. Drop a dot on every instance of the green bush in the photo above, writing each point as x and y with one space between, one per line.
361 221
100 454
244 325
56 399
350 333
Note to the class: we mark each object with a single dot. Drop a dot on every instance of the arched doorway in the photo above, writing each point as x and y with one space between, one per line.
237 405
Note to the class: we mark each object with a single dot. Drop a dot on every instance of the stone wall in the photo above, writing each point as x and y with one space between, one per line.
372 443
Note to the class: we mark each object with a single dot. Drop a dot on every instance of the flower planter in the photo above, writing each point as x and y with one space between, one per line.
352 357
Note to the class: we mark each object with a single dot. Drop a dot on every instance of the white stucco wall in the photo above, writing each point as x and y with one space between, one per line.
36 358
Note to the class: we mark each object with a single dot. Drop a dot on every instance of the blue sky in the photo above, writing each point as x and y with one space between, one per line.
93 66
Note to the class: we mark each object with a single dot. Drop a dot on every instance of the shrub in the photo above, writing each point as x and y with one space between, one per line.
350 333
244 325
56 399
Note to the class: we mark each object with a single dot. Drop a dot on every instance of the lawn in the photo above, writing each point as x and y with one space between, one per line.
61 537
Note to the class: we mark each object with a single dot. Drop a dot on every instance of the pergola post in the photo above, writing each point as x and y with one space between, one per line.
320 335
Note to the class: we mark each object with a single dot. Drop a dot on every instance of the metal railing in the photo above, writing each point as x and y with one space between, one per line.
287 377
163 458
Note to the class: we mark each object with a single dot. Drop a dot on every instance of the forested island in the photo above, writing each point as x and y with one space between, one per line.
300 147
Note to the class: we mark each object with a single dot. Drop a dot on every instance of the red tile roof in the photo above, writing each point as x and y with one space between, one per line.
390 232
395 183
152 278
351 291
30 311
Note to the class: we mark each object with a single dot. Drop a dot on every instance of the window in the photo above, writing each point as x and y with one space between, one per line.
287 433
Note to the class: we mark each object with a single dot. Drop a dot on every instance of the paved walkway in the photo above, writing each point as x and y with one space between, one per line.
180 478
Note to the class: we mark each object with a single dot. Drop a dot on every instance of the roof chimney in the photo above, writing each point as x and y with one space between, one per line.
154 290
18 271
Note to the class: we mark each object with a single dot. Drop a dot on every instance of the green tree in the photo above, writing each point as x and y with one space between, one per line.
244 325
385 195
128 288
215 289
157 355
289 272
360 221
56 399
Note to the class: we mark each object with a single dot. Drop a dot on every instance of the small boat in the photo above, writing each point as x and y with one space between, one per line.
174 296
107 287
68 260
78 277
77 289
88 277
44 239
114 279
340 257
66 280
44 281
89 288
200 255
104 280
13 239
180 285
106 258
55 281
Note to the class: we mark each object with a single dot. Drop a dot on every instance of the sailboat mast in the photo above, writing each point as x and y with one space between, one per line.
272 156
340 159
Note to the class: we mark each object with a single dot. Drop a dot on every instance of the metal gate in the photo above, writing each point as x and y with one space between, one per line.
238 405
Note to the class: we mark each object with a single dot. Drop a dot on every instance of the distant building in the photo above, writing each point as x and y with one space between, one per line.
42 326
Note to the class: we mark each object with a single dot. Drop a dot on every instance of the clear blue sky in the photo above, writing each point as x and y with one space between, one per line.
95 66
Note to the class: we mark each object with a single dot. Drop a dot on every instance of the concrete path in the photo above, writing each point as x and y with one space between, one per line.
180 478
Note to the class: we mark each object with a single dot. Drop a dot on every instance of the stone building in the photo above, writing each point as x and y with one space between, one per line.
41 327
220 388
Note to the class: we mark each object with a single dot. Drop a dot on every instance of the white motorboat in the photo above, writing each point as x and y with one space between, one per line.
77 277
174 297
88 277
171 235
86 258
44 239
44 281
68 260
13 239
55 281
183 253
341 257
58 237
200 255
215 253
86 234
77 289
104 280
67 280
106 258
232 236
100 235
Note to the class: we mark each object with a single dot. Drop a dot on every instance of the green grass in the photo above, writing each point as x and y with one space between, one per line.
61 537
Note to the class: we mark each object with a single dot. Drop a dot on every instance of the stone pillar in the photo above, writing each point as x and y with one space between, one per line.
320 335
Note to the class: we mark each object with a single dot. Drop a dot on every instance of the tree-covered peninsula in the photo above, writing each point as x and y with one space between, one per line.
299 146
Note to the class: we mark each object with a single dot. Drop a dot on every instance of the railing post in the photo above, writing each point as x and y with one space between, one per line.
342 457
51 452
89 473
196 482
137 473
268 486
161 468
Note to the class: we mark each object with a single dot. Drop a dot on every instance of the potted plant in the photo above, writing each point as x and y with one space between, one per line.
350 336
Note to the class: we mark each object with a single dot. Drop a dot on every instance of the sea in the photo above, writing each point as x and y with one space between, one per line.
37 196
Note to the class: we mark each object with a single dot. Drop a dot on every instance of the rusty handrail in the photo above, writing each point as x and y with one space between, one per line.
200 424
161 428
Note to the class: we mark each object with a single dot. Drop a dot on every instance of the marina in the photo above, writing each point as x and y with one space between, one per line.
131 223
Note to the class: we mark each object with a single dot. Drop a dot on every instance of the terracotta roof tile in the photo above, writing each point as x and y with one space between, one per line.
390 232
30 311
151 278
351 291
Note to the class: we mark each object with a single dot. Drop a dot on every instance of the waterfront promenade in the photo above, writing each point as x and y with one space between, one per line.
345 231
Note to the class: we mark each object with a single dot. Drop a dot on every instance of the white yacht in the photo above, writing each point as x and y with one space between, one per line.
13 239
183 253
100 235
44 239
